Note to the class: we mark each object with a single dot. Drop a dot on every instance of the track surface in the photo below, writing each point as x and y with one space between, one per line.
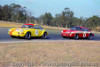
53 35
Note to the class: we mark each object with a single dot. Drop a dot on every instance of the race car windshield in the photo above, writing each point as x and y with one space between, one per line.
76 28
26 26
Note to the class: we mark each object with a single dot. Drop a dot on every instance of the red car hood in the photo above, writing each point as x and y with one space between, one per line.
69 31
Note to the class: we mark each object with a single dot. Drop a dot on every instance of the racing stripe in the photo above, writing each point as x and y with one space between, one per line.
12 31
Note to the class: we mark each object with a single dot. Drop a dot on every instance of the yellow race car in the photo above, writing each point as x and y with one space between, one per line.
28 31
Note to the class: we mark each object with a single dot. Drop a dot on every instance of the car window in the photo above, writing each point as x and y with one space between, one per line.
31 26
87 30
27 26
76 28
38 27
84 29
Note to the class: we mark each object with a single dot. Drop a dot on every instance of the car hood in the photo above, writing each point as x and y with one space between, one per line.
69 31
13 29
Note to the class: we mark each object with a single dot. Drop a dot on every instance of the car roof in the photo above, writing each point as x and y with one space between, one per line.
30 24
81 27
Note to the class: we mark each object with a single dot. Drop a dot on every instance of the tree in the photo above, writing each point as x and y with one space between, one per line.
65 18
6 13
18 13
1 12
93 22
47 17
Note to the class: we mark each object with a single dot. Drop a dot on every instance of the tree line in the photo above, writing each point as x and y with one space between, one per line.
17 13
14 13
66 19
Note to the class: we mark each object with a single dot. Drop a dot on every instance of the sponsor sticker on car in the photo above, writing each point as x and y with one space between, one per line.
36 32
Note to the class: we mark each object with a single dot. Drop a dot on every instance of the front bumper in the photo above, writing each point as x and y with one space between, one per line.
67 35
17 34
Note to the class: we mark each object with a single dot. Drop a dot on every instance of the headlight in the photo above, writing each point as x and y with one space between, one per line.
9 29
61 31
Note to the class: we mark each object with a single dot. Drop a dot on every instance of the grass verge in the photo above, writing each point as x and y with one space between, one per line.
13 24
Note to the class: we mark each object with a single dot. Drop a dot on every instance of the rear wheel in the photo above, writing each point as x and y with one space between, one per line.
76 37
90 37
44 36
28 35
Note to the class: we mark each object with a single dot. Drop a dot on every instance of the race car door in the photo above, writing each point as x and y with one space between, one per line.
80 33
85 32
38 30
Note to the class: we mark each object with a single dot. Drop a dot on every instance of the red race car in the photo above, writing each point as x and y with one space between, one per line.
78 32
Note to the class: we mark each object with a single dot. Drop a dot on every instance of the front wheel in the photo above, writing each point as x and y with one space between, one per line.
12 36
44 36
64 37
28 35
76 37
90 37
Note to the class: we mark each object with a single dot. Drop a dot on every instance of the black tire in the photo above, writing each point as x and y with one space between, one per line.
12 36
90 37
44 36
64 37
28 35
76 37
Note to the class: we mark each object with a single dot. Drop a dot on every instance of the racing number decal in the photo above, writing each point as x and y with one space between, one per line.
84 34
36 32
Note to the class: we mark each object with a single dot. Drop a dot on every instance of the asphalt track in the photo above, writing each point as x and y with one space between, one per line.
53 35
